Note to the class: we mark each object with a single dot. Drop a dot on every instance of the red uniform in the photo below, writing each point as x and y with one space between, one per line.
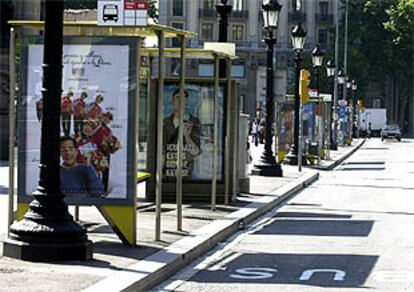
66 106
79 107
94 111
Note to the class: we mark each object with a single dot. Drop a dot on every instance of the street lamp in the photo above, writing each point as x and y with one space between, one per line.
267 165
317 57
341 77
48 232
317 60
348 82
298 42
330 72
223 11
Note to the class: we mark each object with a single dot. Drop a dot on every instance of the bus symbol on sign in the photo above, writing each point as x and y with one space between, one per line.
110 12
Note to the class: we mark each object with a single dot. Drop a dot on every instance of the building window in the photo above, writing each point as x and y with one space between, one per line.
238 5
208 4
323 8
176 41
322 37
178 8
207 31
206 68
297 5
237 32
238 69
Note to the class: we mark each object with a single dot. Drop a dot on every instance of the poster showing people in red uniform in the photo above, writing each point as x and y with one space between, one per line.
95 118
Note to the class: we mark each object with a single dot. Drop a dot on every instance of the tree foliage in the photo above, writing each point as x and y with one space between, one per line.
81 4
380 42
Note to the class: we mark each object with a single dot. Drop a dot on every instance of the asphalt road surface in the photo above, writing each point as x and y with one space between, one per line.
350 231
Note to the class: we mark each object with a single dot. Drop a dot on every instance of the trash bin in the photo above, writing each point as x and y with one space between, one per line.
313 148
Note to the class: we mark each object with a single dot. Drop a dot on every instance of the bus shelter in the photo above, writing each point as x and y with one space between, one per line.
199 163
101 72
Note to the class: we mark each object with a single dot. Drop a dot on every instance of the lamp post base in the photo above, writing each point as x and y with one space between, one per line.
292 159
48 233
47 252
333 145
267 166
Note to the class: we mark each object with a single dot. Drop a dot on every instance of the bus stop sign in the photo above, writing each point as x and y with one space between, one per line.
122 12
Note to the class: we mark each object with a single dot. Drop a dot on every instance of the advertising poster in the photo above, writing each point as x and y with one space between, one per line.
95 117
308 119
286 131
198 132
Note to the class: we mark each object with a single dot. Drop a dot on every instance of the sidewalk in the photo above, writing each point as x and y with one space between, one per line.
116 267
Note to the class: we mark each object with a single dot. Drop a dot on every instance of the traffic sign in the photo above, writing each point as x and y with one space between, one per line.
122 12
342 102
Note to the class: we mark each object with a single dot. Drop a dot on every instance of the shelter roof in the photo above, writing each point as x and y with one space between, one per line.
90 28
189 52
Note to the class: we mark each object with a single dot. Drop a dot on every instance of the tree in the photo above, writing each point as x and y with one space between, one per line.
400 26
81 4
380 49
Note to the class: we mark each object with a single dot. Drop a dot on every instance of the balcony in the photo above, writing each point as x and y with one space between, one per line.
240 14
297 17
324 18
213 13
207 13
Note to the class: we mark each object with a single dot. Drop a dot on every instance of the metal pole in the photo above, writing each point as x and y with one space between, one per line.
335 84
228 136
12 120
137 97
223 11
328 109
297 108
160 108
344 89
320 125
346 60
179 177
215 148
300 138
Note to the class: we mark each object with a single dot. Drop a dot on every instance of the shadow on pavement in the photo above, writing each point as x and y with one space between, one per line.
310 215
319 227
118 249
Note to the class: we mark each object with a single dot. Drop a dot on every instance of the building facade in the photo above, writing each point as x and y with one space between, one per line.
11 9
245 29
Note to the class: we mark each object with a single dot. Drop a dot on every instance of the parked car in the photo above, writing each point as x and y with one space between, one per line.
391 131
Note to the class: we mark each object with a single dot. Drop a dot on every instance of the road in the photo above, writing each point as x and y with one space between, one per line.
349 231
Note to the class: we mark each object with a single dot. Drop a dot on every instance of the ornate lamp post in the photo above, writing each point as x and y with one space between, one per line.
298 42
330 72
341 81
267 165
48 232
350 118
317 60
223 10
354 103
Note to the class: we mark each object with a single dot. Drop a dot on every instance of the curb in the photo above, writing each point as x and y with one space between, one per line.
344 157
158 267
